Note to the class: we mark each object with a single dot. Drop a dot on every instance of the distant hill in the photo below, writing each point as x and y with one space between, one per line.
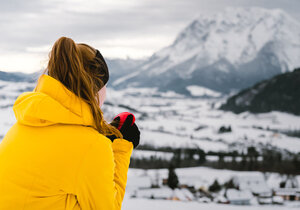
117 68
280 93
121 67
18 76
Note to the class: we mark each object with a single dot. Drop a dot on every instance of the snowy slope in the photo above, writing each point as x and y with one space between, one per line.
122 67
202 91
279 93
237 44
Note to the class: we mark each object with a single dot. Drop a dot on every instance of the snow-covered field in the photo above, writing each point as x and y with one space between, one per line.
197 176
178 121
169 119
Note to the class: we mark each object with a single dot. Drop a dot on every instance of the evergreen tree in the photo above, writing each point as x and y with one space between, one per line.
172 178
215 187
229 184
202 156
177 157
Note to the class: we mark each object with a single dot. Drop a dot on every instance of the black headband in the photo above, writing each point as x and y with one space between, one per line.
103 70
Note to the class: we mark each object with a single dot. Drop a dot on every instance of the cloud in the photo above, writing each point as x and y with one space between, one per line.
119 28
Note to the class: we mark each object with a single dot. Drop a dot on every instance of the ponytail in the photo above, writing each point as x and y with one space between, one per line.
71 63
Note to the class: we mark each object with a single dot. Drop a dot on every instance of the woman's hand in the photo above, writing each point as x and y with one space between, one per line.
128 129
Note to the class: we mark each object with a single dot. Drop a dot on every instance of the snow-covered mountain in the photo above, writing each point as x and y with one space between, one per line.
229 50
121 67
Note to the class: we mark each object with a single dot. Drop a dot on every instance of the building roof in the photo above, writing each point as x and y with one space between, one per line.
253 181
238 195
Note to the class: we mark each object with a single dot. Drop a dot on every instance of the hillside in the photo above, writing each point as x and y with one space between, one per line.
17 76
280 93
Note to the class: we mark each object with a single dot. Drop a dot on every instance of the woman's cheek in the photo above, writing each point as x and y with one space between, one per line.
102 95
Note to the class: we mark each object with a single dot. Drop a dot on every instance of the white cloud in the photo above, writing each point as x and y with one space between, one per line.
119 28
23 62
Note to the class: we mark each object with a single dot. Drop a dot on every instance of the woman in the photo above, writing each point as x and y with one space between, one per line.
57 155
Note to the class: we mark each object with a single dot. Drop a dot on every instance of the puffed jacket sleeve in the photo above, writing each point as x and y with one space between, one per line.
102 176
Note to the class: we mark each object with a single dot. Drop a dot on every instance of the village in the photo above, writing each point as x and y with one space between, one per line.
232 188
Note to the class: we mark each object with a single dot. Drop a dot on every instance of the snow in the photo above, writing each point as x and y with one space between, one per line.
236 195
140 154
139 180
198 176
236 35
157 193
202 91
181 122
278 199
122 79
255 182
148 204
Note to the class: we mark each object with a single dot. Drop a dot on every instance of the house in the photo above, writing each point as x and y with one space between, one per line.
265 198
252 181
164 193
238 197
291 194
184 194
156 193
290 190
278 200
165 181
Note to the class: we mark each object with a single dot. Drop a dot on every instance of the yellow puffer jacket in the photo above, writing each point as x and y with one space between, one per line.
53 158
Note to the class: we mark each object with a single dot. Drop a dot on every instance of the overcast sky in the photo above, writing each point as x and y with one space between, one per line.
118 28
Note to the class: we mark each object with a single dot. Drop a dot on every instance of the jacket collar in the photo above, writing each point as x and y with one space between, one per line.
51 103
56 90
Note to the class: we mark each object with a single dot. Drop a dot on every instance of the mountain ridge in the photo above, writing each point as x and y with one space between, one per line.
246 47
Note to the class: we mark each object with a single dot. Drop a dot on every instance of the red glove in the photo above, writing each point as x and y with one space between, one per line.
123 117
125 123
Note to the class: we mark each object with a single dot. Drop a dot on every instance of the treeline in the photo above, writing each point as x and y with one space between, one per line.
290 132
266 160
270 161
294 133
